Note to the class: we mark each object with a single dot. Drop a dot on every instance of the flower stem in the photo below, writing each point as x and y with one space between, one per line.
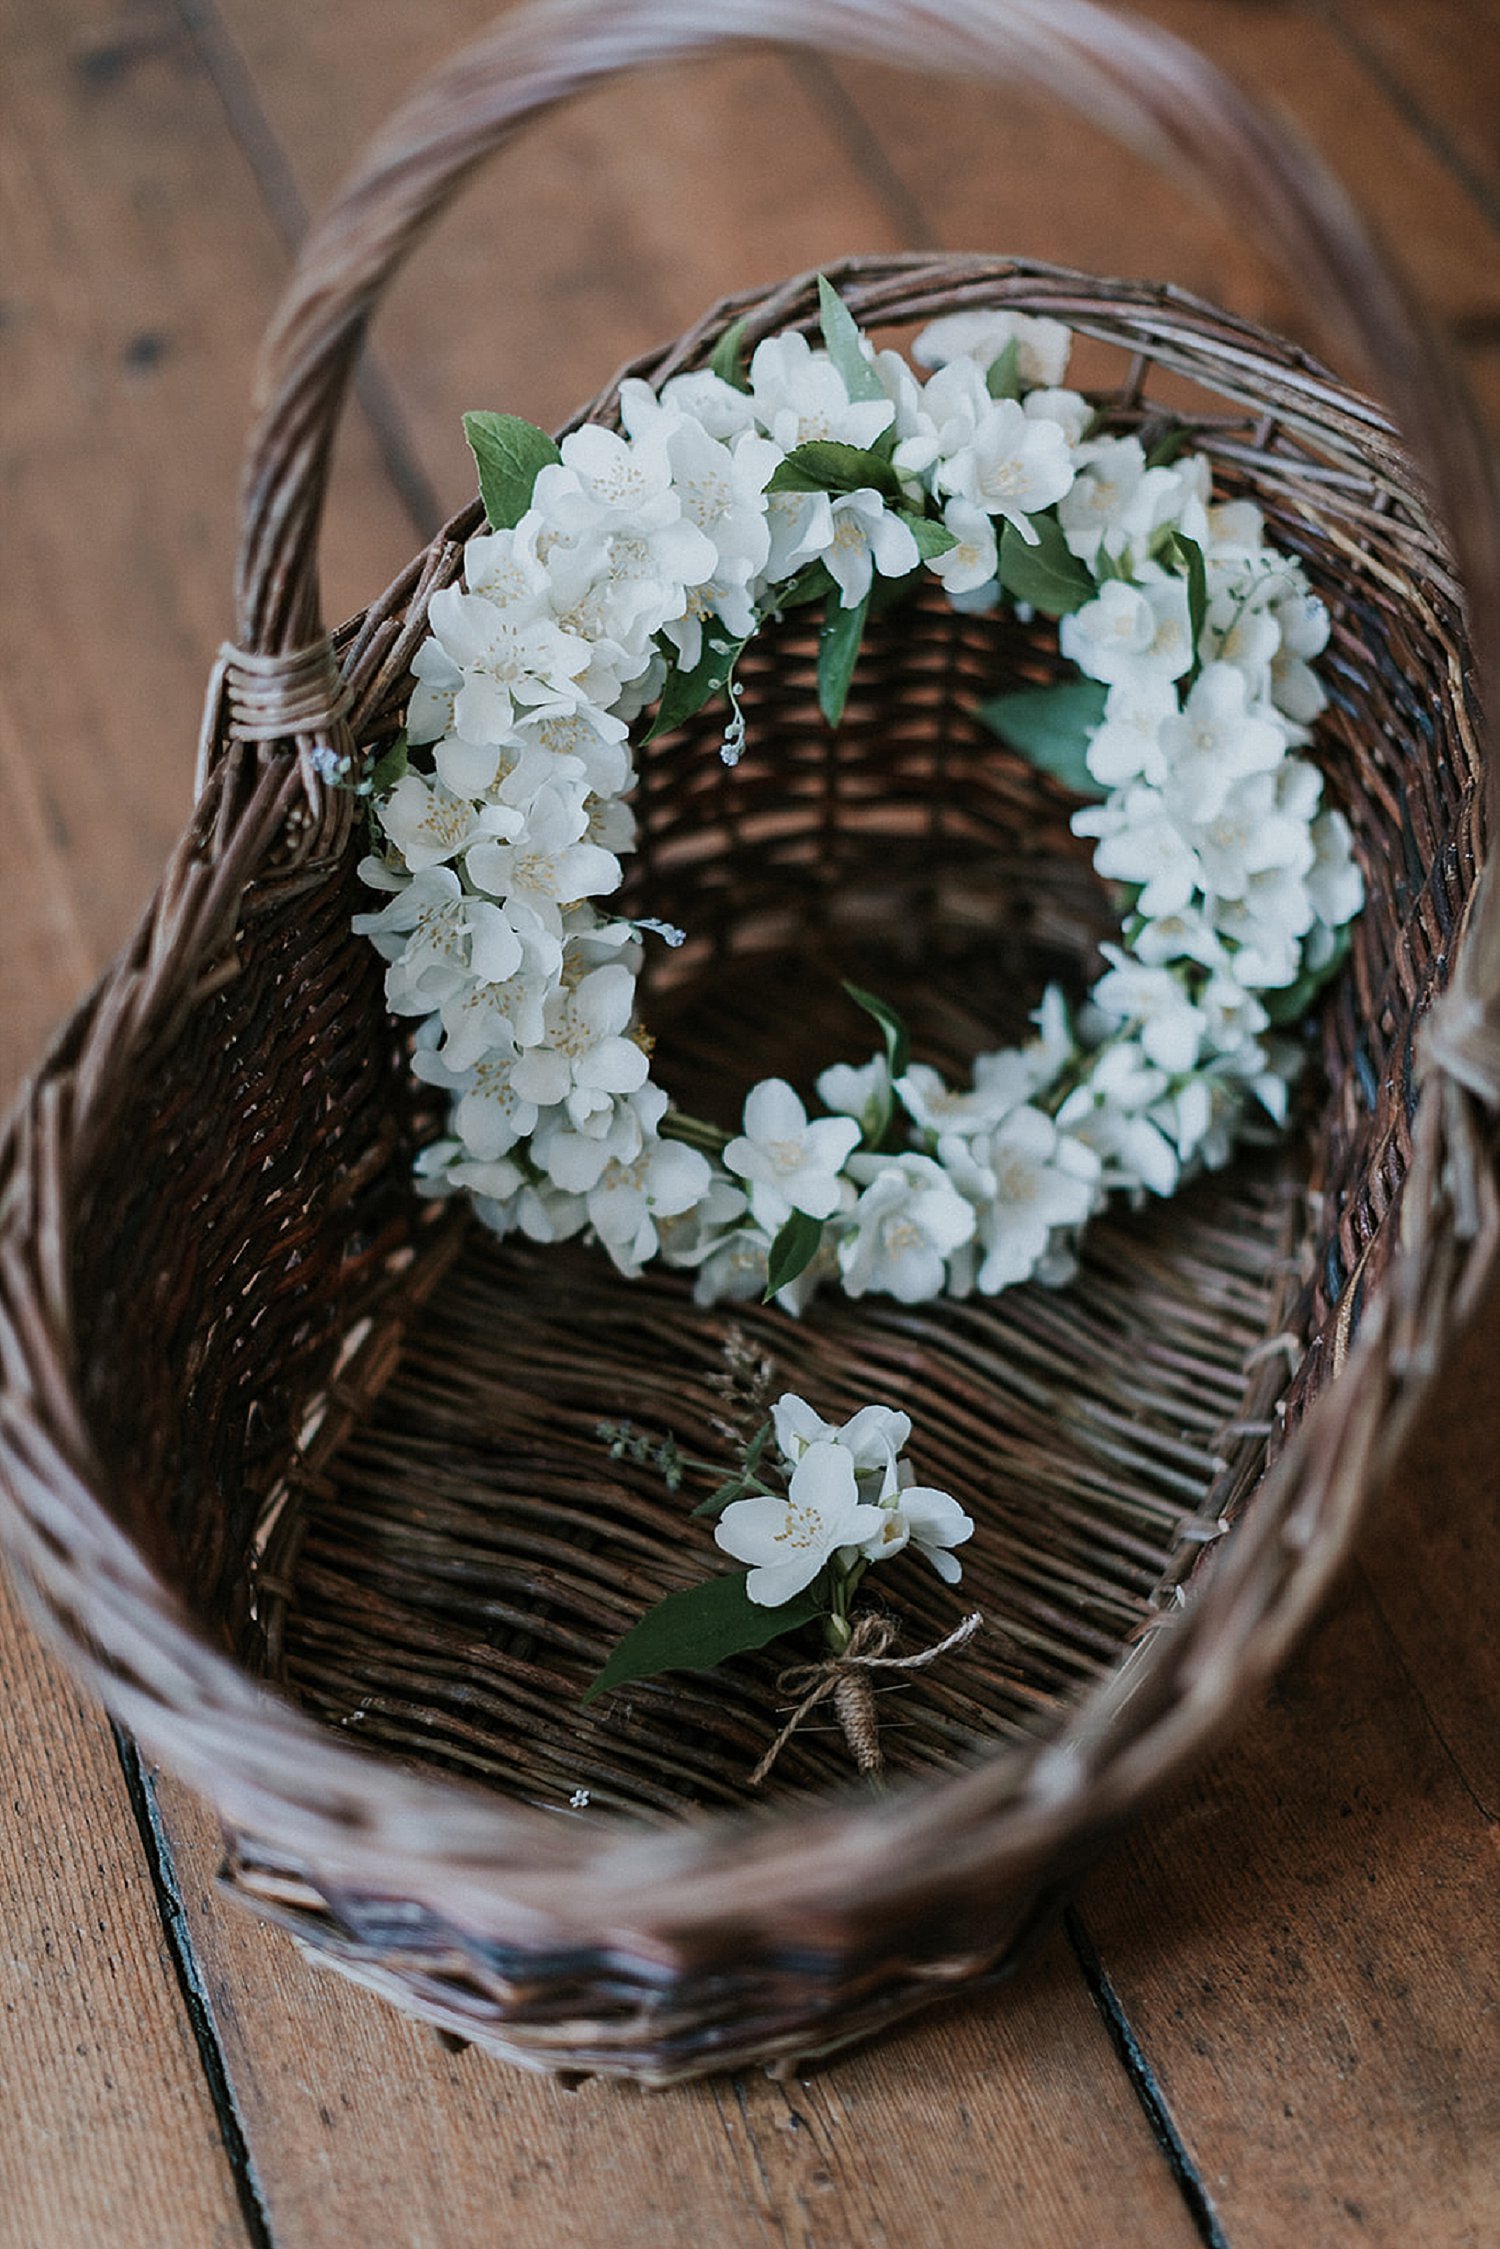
694 1132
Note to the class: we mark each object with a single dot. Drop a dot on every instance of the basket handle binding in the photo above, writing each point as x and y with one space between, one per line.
1146 87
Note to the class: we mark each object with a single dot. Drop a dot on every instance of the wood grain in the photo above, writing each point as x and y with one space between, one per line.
1304 1943
984 172
987 2122
1299 1942
107 2131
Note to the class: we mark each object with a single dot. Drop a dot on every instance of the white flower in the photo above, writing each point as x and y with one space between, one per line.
1142 843
491 1114
695 1237
721 488
1266 928
909 1219
789 1163
1071 412
1001 1080
512 663
588 744
1186 935
1026 1178
1156 1003
1128 746
975 557
873 1438
1042 346
855 537
547 866
437 938
1216 740
499 772
1011 466
429 714
583 1058
428 824
860 1090
1250 835
662 1181
788 1540
1131 629
606 484
705 397
799 396
614 592
1334 882
1101 510
933 420
1107 1112
930 1520
1304 626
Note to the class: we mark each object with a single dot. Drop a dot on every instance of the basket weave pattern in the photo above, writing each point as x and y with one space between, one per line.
273 1422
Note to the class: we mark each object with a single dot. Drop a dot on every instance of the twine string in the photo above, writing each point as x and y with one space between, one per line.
845 1681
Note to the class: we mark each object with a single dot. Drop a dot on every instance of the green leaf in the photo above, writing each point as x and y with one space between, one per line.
824 465
897 1037
1046 574
1174 441
1292 1001
1197 578
811 584
1052 727
702 1626
838 653
687 692
390 768
508 454
1004 377
792 1252
845 348
744 1477
728 361
932 538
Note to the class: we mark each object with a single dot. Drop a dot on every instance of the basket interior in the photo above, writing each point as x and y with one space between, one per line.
473 1551
429 1546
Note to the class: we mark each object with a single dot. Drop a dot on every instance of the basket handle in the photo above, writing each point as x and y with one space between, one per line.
1143 85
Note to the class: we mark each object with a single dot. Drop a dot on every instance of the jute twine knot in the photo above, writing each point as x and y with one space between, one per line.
845 1680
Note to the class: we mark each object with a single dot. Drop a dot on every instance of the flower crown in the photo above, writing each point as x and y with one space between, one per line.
622 575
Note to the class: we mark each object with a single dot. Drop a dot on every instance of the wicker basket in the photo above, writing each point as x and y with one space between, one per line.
302 1473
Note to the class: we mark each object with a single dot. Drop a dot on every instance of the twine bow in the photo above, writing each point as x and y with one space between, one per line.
845 1680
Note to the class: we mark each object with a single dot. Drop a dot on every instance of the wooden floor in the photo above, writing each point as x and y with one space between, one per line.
1274 2018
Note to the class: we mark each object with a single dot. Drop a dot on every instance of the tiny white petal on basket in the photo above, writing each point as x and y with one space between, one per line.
788 1539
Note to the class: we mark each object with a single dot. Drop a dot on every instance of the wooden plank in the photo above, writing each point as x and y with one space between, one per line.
989 168
715 177
1432 1560
1304 1943
1435 61
992 2120
107 2131
141 272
